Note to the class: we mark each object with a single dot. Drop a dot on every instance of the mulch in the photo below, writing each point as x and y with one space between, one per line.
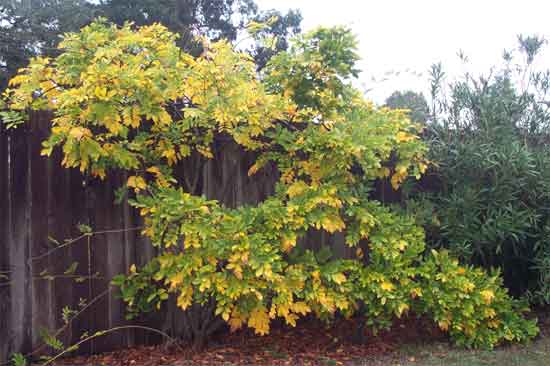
310 343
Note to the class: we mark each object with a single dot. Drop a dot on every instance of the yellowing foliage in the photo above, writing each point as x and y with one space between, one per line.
129 99
259 321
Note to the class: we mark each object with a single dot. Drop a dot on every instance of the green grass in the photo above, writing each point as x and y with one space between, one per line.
536 353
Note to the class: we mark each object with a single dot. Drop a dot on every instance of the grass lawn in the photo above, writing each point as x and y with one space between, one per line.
537 353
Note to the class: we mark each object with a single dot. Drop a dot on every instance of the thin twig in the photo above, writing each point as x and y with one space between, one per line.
105 332
72 241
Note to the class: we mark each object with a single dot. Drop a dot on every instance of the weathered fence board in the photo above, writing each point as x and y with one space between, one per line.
19 240
4 247
42 203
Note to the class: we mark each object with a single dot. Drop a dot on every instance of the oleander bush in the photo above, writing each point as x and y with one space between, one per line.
487 194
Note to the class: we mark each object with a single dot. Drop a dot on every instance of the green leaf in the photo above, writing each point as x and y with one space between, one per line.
324 254
12 119
67 313
18 359
72 269
50 340
84 229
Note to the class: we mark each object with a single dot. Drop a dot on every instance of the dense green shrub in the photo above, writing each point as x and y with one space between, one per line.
487 197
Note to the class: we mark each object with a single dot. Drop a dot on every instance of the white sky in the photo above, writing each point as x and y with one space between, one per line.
396 35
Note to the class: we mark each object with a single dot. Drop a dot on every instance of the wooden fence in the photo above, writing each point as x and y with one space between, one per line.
41 205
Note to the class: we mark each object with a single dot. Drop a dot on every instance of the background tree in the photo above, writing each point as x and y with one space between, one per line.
281 30
216 19
33 27
415 102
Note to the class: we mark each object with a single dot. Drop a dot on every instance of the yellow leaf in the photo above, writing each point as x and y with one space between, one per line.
493 323
291 319
170 156
99 172
19 79
289 241
236 321
273 311
205 285
153 169
185 298
296 188
333 223
254 168
487 296
133 268
422 167
238 272
164 117
508 335
316 275
78 132
491 313
136 182
176 280
468 286
100 92
339 278
135 117
259 320
342 303
225 315
397 178
387 286
402 308
112 123
47 151
416 292
300 307
402 244
404 137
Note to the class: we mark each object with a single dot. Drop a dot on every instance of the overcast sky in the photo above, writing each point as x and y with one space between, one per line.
396 35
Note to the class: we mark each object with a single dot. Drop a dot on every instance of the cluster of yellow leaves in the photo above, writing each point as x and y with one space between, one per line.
259 320
109 81
137 183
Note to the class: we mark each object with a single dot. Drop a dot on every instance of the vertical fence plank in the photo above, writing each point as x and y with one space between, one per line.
59 217
80 252
144 252
19 239
4 248
130 243
40 263
107 260
117 261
